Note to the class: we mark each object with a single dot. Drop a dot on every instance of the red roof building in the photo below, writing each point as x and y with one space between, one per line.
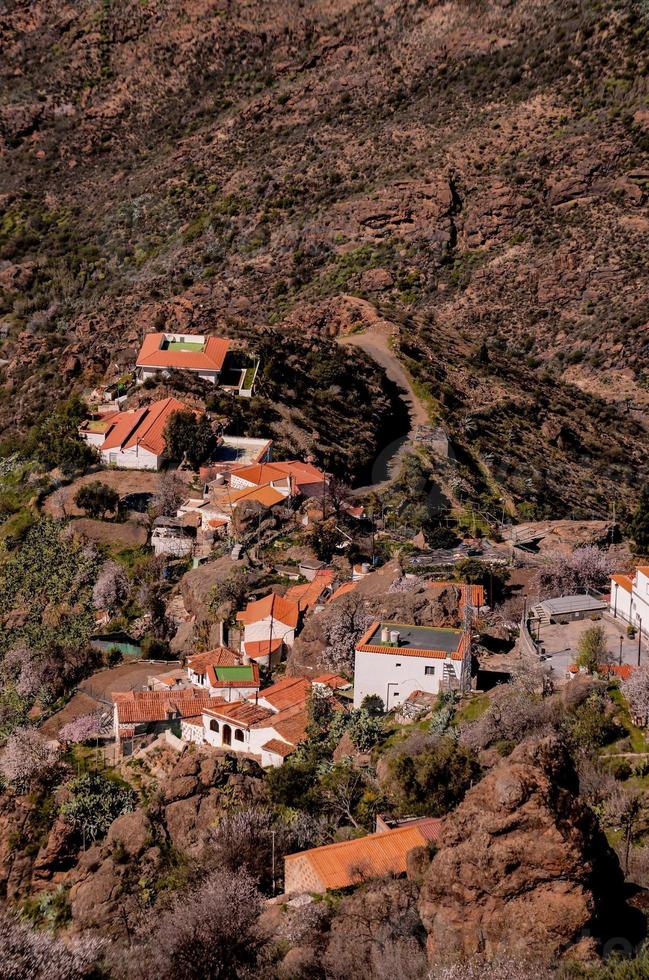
135 439
204 356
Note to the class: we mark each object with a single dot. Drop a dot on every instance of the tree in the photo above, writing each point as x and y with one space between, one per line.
111 588
31 954
56 441
366 725
341 791
585 568
345 624
592 649
208 933
639 526
429 775
82 729
189 437
636 691
325 538
27 759
171 493
97 499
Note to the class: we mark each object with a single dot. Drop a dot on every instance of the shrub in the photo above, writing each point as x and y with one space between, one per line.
96 801
429 775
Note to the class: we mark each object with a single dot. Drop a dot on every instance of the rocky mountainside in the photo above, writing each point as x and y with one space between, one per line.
523 868
475 172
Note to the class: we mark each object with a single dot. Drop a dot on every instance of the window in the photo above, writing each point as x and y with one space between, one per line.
238 735
214 726
429 670
397 665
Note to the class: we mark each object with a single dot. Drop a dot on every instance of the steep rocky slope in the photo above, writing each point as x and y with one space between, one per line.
523 868
476 171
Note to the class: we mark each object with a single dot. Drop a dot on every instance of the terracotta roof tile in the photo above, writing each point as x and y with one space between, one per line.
351 862
342 590
256 649
144 427
287 692
244 713
266 495
282 749
307 594
211 358
364 646
274 606
140 707
624 581
219 657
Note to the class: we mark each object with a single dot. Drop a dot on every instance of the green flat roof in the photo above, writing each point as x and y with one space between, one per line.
235 673
181 345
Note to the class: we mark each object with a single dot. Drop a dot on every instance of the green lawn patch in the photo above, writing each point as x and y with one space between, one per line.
473 709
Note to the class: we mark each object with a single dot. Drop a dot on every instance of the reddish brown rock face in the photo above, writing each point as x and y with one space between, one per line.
521 865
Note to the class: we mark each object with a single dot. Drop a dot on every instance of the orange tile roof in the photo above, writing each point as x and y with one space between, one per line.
291 723
364 646
139 707
287 693
301 474
257 649
219 657
279 748
342 590
625 581
307 595
266 495
334 681
271 606
259 473
211 358
244 713
644 569
353 861
144 427
475 593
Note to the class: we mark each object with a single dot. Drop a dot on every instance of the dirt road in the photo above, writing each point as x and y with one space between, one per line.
376 343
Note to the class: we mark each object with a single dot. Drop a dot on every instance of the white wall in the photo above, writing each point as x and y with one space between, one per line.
633 607
215 739
262 630
191 732
135 458
393 677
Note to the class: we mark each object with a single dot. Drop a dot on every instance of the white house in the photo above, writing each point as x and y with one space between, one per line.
132 440
268 625
249 729
392 660
630 598
164 352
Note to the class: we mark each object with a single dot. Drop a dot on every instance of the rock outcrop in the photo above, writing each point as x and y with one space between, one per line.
522 866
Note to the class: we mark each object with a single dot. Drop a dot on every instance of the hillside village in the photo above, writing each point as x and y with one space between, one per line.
324 501
254 636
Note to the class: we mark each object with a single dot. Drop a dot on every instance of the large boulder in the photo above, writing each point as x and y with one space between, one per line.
522 865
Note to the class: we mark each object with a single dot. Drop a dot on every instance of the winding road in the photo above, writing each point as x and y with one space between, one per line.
376 343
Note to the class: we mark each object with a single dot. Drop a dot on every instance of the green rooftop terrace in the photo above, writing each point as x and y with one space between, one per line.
235 673
186 345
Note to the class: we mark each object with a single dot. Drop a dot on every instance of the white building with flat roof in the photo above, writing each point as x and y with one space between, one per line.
392 660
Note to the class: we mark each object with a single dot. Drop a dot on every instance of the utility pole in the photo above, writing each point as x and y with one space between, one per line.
639 639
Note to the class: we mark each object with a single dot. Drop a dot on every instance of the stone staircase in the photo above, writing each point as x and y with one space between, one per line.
540 613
